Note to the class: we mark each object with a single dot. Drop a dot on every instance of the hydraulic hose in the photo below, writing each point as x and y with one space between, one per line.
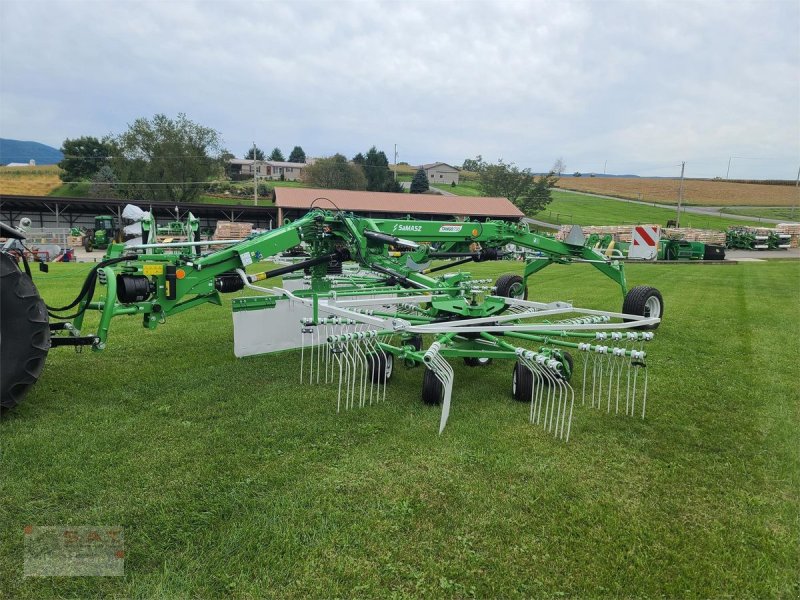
87 290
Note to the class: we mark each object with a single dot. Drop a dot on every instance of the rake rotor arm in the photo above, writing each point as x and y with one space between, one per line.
453 239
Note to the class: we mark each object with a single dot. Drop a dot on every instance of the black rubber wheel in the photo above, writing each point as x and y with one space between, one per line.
569 360
24 333
415 341
476 362
511 286
87 243
714 252
521 383
380 367
645 301
432 388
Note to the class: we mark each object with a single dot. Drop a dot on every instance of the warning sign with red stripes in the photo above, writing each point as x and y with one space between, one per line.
645 242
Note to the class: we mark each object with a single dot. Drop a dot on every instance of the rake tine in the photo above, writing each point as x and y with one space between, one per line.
319 351
302 347
583 347
571 406
644 399
339 398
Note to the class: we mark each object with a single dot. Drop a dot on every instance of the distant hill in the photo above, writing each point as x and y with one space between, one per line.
17 151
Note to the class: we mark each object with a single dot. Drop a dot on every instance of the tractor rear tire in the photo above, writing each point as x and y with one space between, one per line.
521 383
645 301
511 286
432 388
24 333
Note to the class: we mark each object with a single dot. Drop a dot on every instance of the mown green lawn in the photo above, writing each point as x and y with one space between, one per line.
232 479
569 208
464 188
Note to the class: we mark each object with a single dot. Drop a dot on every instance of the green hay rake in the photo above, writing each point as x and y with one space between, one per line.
386 306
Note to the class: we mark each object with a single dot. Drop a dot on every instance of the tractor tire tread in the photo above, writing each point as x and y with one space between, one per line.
24 333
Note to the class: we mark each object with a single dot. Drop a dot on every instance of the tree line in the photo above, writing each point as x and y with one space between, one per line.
175 159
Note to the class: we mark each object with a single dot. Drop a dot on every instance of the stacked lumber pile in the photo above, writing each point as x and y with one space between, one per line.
232 230
793 229
691 234
622 233
75 241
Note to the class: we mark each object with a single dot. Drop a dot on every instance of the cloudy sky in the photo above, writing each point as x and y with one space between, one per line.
637 86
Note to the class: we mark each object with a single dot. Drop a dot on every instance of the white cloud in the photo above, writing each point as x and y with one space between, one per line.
638 84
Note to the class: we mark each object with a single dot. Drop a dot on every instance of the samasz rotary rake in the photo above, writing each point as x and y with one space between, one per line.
353 325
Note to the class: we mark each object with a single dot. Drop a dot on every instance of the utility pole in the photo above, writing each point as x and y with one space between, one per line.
604 166
255 179
797 189
727 175
680 196
395 163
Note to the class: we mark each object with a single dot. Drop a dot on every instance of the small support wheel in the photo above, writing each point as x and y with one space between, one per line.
432 388
380 367
511 286
472 361
570 363
645 301
415 341
521 383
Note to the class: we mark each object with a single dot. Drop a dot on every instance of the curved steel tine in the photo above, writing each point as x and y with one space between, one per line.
543 396
628 390
560 399
644 399
585 366
571 406
319 349
339 398
633 397
363 362
445 374
302 348
369 350
613 365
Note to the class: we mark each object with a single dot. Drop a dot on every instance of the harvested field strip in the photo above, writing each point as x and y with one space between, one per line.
698 192
37 181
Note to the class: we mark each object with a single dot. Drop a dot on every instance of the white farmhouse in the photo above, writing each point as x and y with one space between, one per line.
440 173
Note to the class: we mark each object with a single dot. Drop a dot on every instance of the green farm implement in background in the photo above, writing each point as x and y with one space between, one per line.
749 238
668 249
104 234
369 293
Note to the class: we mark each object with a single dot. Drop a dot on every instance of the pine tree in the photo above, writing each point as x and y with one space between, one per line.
420 185
297 155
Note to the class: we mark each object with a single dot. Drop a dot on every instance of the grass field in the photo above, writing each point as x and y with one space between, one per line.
231 479
464 188
569 208
788 213
696 191
71 190
35 181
